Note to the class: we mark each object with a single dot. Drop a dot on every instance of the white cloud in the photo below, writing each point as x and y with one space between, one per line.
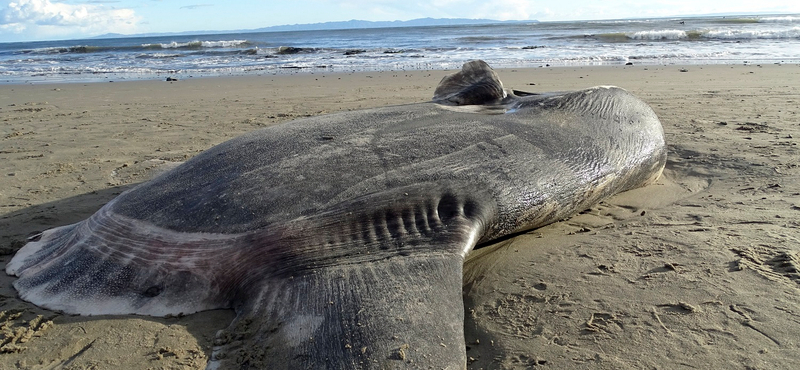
196 6
48 19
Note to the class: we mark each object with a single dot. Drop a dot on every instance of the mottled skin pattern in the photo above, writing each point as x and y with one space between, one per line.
339 240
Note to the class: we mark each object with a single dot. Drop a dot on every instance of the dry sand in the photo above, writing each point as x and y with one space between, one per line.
698 271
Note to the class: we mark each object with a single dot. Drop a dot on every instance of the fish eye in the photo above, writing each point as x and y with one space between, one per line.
152 291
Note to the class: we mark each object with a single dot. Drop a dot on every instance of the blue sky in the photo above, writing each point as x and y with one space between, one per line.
29 20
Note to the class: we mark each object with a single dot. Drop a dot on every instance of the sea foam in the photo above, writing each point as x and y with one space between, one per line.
196 44
754 34
659 35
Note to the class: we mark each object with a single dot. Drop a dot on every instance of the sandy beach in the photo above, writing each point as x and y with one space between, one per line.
699 271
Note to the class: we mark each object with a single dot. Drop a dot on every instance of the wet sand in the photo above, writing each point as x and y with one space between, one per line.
701 270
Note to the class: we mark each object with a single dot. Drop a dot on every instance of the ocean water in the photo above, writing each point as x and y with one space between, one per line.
690 40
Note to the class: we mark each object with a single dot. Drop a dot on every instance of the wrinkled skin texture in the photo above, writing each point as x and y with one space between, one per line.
339 240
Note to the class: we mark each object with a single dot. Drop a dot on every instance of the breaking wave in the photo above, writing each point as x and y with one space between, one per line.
197 44
709 34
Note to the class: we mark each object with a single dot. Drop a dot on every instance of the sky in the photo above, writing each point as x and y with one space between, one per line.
34 20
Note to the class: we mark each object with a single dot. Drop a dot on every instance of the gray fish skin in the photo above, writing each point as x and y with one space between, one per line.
339 240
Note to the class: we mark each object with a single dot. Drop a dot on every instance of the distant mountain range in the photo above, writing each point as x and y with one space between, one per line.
420 22
351 24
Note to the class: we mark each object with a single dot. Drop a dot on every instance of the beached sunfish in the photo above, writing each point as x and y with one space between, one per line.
339 240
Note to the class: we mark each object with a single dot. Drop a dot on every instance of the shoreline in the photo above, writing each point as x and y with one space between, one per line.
301 71
703 262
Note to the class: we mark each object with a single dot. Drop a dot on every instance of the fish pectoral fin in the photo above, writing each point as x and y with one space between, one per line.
475 84
399 311
520 93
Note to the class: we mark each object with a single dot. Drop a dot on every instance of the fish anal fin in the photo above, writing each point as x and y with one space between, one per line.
398 312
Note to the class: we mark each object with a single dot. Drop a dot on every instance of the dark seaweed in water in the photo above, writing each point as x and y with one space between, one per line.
283 50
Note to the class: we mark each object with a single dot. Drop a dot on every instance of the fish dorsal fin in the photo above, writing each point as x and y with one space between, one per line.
475 84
